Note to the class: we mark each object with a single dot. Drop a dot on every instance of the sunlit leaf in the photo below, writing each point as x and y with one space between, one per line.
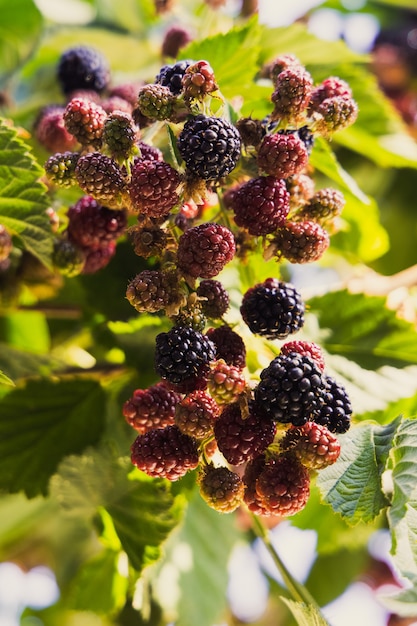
306 615
20 30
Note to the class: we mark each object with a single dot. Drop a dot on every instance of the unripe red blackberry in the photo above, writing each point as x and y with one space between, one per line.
279 64
210 147
283 486
273 309
156 102
85 120
301 242
67 257
117 105
101 177
182 355
229 345
175 38
331 87
153 187
250 476
301 189
261 205
99 258
60 168
334 114
204 250
151 408
126 91
305 348
291 389
221 488
155 290
282 155
171 76
251 131
324 205
225 382
119 135
147 238
214 298
241 437
148 152
336 410
196 413
6 243
198 80
165 453
50 130
83 67
91 225
293 89
312 444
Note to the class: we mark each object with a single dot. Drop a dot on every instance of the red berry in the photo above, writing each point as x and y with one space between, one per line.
312 444
153 187
99 258
100 176
151 408
85 120
283 486
225 382
301 242
229 345
261 205
204 250
51 132
92 225
196 413
305 348
282 155
293 88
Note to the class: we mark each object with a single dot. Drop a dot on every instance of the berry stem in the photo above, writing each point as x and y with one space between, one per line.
296 589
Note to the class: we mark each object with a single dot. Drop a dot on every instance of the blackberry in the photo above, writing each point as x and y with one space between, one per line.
83 67
291 97
324 205
60 168
182 355
283 486
242 437
119 135
334 114
273 309
214 298
225 382
98 258
114 104
155 290
126 91
312 444
171 76
336 410
305 348
165 453
210 147
151 408
148 152
91 225
301 189
221 488
279 64
251 131
291 389
156 102
85 120
195 414
50 130
198 81
153 187
301 242
229 345
175 38
331 87
261 205
100 176
307 137
147 238
250 476
204 250
6 243
67 258
282 155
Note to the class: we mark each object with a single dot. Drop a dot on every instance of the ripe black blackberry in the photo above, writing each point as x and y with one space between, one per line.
92 225
85 119
153 187
214 298
273 309
210 147
283 486
171 75
60 168
307 137
241 437
101 177
204 250
336 411
183 355
229 345
300 242
165 453
83 67
221 488
196 413
152 291
291 389
282 155
260 205
151 408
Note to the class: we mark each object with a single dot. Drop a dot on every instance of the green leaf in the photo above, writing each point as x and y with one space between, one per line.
23 199
21 363
42 422
20 30
5 380
352 485
143 510
306 615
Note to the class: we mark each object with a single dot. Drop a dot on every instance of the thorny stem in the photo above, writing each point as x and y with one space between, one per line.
296 589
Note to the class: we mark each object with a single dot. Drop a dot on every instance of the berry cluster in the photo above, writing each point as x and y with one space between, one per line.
255 439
